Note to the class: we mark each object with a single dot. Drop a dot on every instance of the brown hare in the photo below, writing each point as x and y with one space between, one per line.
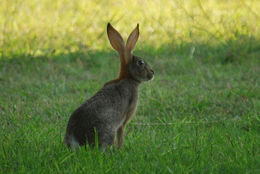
111 108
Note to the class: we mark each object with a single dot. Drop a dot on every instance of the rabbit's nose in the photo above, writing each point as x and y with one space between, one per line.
151 71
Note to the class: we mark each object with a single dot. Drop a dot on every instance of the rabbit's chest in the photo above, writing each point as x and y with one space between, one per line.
132 106
127 114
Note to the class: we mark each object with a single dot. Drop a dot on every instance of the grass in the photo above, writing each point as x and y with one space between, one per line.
201 114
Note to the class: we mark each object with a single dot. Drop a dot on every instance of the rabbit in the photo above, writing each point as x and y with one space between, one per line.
106 114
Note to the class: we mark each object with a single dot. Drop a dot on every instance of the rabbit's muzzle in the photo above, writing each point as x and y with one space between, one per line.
150 74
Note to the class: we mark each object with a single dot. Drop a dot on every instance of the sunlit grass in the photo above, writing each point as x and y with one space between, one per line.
39 27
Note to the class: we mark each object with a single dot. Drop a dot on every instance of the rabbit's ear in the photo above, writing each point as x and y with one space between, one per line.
132 39
115 39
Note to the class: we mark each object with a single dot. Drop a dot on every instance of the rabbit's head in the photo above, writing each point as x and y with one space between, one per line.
130 66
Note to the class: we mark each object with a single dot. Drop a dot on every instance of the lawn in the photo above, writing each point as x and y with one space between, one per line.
201 113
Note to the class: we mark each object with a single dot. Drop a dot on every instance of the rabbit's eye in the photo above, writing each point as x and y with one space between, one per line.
140 62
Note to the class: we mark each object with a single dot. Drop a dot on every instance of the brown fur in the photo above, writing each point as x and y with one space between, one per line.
111 108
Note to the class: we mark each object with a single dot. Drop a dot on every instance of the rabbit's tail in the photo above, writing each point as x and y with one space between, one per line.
71 141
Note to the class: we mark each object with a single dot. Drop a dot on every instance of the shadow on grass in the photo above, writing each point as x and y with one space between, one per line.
203 80
238 50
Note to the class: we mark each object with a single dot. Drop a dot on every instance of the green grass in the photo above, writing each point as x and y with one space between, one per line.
201 114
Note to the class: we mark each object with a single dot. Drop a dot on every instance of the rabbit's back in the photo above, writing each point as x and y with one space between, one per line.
105 112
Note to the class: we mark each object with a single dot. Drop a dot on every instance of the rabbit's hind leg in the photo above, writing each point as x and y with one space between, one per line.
106 138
